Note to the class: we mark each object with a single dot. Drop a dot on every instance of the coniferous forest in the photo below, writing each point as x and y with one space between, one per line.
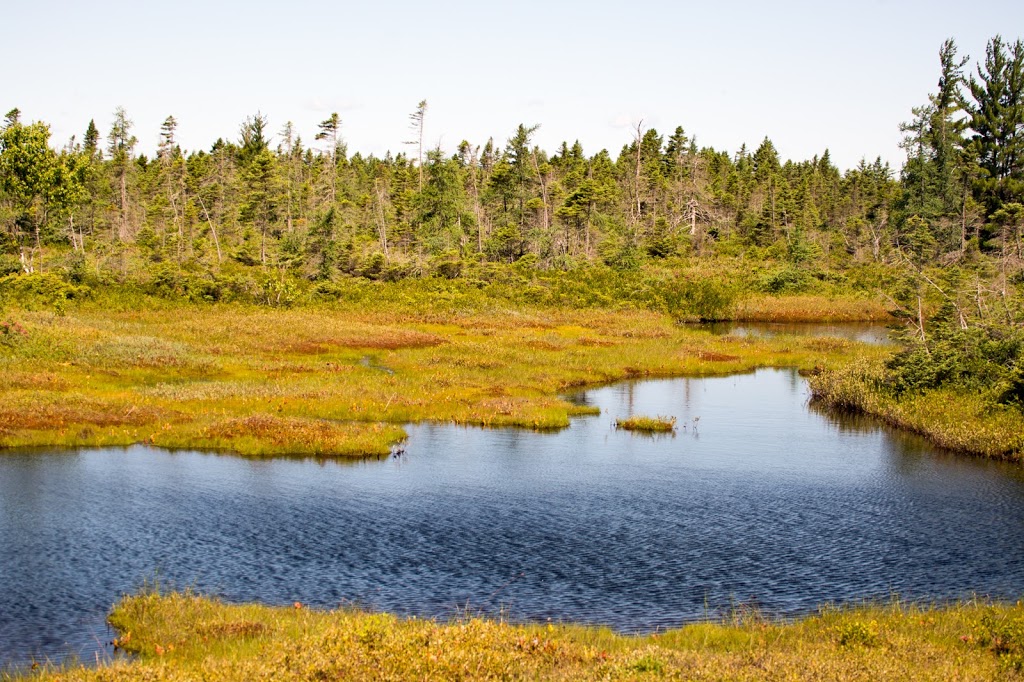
263 204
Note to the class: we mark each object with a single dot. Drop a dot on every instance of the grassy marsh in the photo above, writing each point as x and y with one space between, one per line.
340 380
184 637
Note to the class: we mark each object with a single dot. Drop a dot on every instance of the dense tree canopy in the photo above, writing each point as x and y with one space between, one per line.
268 201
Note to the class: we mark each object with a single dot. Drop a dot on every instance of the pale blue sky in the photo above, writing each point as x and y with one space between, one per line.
809 75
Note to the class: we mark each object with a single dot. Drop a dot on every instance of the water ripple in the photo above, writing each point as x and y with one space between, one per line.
767 504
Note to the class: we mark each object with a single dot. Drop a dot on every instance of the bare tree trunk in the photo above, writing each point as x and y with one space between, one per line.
177 222
920 322
123 231
263 243
72 236
543 191
963 223
476 200
419 150
216 242
382 229
639 148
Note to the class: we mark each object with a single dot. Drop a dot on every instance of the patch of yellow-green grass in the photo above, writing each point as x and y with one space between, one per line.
811 308
185 637
341 380
953 419
267 435
647 424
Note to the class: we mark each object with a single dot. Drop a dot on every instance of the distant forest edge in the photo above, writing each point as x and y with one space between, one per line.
262 213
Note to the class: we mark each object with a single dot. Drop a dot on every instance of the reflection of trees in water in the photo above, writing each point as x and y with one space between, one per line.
865 332
905 451
796 382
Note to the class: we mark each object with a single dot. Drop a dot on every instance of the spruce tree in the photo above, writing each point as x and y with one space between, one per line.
121 146
997 120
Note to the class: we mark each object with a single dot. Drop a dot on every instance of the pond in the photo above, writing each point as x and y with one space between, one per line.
757 499
864 332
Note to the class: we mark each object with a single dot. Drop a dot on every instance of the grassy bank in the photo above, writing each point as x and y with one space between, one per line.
336 380
962 386
950 418
183 637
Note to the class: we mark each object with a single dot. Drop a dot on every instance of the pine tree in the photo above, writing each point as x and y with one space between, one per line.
518 155
259 176
172 173
91 141
330 131
997 120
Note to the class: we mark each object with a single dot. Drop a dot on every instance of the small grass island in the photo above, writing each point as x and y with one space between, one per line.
644 424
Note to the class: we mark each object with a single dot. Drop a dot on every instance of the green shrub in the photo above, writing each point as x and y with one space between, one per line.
705 299
39 289
984 358
9 265
788 280
12 333
856 633
1004 635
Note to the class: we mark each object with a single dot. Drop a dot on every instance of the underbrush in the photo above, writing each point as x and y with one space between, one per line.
688 289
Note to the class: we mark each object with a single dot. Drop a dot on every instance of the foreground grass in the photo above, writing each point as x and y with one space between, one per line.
184 637
338 381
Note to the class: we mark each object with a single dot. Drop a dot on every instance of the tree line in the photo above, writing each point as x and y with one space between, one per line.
265 198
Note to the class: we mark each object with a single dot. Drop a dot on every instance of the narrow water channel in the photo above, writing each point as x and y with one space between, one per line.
757 499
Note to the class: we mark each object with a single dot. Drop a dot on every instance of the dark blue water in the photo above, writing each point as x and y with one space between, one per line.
760 500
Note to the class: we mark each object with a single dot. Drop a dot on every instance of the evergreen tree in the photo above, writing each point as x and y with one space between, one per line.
330 130
519 158
172 171
762 221
997 121
259 179
121 147
91 141
934 171
441 204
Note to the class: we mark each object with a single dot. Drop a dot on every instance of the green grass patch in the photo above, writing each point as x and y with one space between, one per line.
644 424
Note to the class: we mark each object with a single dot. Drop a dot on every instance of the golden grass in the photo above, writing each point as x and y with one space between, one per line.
185 637
811 308
339 381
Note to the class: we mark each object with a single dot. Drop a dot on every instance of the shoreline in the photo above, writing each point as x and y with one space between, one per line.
307 382
181 635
